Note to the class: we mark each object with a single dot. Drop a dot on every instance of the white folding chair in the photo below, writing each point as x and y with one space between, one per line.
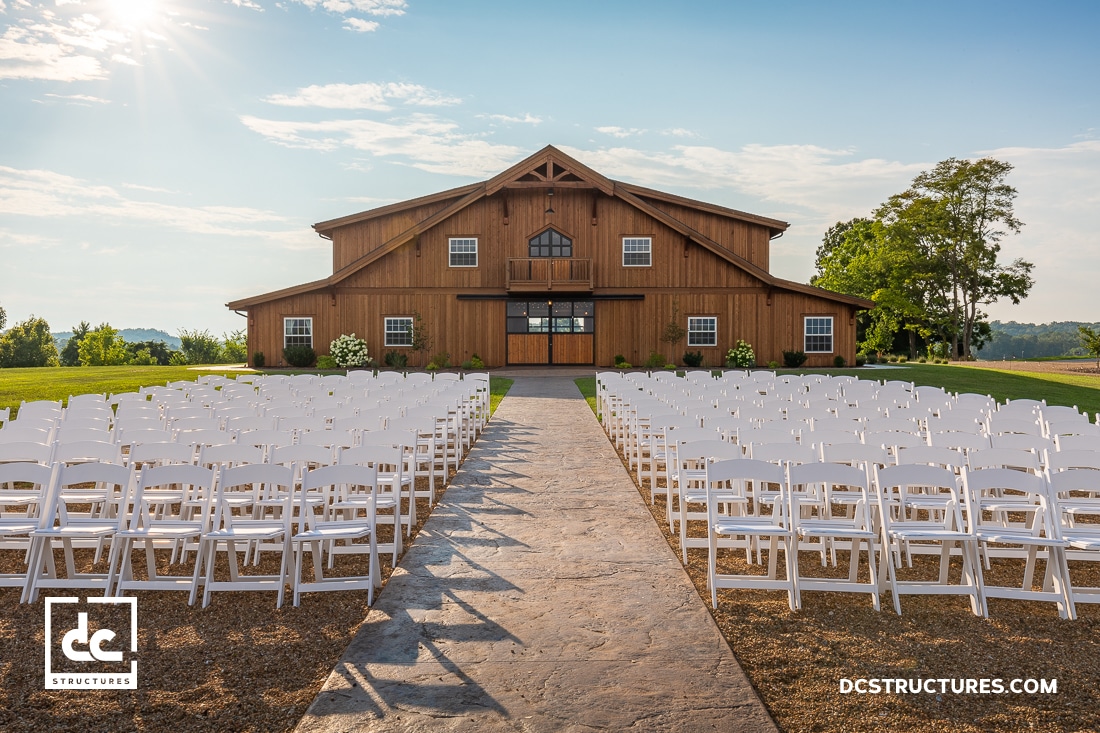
727 479
353 523
242 533
909 528
830 505
998 495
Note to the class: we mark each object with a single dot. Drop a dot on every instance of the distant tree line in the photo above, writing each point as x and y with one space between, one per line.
929 259
1030 341
30 344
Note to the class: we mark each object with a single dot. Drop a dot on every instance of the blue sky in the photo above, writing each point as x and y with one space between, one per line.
160 158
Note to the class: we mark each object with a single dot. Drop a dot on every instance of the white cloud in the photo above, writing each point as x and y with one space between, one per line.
363 96
246 4
41 193
122 58
370 7
80 98
24 55
527 119
619 132
360 26
679 132
420 141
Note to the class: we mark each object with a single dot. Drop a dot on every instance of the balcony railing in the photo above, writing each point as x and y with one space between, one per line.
549 273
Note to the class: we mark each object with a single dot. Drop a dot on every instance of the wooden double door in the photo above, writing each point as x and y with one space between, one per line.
551 331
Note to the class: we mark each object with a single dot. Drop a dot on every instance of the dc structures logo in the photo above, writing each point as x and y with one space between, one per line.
92 643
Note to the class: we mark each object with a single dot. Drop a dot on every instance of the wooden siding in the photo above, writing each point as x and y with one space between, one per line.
349 243
425 262
741 238
631 328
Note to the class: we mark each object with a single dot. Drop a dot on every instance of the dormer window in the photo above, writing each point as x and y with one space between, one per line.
550 243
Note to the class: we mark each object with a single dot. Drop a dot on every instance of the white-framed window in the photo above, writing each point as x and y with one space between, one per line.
298 331
702 331
399 331
819 334
637 251
463 251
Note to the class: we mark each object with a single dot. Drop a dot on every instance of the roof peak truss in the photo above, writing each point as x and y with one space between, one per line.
549 168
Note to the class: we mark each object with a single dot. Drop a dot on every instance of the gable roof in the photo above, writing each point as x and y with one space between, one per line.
549 167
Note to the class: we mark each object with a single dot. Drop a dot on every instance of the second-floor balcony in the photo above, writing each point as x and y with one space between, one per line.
541 274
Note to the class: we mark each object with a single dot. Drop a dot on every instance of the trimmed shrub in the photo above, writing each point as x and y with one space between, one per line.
327 362
773 364
396 359
872 358
439 361
670 367
861 360
902 359
741 356
349 351
839 361
693 358
476 362
655 360
794 359
922 360
301 357
258 360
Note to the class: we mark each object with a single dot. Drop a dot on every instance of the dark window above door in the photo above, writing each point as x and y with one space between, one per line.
550 243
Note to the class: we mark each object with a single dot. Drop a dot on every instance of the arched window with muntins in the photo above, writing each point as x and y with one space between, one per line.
550 243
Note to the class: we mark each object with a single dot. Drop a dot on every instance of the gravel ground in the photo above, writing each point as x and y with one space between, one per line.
238 665
796 660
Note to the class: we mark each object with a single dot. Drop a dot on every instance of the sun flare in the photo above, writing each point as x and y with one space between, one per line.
134 14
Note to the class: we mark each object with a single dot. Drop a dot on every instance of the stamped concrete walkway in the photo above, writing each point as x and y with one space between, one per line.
539 596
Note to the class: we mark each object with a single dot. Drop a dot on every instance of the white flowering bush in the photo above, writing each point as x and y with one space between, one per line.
741 356
349 351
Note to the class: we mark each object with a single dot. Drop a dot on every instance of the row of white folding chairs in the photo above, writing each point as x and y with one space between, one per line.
187 509
903 510
687 448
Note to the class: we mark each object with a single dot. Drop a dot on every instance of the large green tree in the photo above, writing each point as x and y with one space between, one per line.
28 344
930 257
70 355
103 347
954 218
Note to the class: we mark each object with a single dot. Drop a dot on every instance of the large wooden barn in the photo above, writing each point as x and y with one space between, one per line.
550 262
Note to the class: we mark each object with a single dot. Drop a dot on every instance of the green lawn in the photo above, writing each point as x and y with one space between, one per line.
1057 389
57 383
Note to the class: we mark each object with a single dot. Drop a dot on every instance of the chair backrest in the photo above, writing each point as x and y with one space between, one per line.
19 452
338 482
855 454
931 455
892 439
711 449
161 454
1070 459
1004 486
963 441
230 455
267 482
781 453
88 451
14 433
1003 458
1076 442
819 485
195 482
896 483
745 469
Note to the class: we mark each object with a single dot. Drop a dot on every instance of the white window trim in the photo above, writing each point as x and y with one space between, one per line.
386 332
286 322
832 335
649 252
450 250
713 333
